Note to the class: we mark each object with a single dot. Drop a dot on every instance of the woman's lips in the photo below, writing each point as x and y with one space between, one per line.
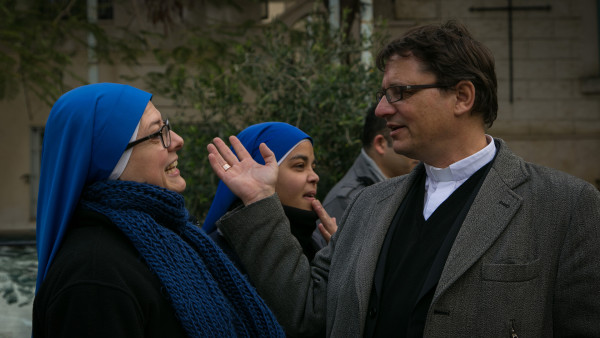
172 168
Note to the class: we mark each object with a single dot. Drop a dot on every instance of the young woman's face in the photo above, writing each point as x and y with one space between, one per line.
297 180
150 161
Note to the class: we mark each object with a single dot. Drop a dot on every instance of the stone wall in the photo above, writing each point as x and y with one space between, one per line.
554 117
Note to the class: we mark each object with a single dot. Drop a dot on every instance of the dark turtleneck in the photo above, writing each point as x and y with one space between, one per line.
302 225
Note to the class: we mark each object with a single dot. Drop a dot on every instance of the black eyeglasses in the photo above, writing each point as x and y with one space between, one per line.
164 133
396 93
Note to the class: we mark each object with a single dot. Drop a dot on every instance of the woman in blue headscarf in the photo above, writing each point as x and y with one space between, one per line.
296 183
117 254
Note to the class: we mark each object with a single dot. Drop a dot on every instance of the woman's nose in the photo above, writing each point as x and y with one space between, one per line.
313 177
176 141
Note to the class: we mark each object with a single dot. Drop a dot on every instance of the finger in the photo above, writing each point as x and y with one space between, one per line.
214 154
239 148
321 212
331 226
216 162
329 223
324 232
268 155
226 153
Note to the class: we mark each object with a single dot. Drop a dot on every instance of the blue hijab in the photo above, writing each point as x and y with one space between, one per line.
85 135
280 137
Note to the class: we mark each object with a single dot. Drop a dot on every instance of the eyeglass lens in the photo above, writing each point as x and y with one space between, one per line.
165 134
392 94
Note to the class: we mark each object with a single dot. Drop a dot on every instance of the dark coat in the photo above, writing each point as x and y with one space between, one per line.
97 264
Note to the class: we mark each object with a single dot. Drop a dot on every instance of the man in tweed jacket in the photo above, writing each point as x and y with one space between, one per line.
473 242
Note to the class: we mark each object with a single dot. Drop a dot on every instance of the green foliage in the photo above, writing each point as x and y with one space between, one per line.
39 40
311 78
195 79
222 79
315 81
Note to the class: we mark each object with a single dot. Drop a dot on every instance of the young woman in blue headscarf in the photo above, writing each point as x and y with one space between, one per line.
296 184
117 254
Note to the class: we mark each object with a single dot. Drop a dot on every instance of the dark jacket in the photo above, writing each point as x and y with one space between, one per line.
363 173
97 264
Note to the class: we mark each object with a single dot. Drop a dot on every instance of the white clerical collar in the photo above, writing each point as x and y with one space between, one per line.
464 168
441 183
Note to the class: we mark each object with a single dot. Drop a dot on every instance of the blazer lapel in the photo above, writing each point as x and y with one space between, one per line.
490 213
382 211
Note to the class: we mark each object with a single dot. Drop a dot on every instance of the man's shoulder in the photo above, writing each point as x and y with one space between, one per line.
515 171
337 199
345 186
550 178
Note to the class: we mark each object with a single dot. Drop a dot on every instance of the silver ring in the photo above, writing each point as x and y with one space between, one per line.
226 166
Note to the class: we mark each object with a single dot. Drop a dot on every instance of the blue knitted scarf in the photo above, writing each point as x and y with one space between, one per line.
209 295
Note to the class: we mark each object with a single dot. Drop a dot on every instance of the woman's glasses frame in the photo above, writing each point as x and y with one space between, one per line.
164 133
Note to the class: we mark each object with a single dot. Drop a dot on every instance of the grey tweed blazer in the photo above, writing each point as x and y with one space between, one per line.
526 259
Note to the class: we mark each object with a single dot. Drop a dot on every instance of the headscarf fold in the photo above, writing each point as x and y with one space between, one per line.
85 135
280 137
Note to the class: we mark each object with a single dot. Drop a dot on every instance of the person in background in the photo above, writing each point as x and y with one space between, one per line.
474 242
376 162
296 184
117 254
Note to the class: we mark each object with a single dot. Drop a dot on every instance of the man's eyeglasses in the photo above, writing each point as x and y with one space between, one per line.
396 93
164 133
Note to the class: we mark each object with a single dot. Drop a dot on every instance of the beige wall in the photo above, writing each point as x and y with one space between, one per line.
15 150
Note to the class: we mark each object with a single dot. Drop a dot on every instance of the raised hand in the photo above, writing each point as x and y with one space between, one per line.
248 180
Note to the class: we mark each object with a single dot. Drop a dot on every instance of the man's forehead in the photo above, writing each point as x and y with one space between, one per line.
405 71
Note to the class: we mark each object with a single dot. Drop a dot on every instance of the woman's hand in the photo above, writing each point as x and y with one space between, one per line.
247 179
328 225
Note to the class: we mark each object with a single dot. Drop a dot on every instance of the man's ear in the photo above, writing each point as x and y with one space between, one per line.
379 144
465 97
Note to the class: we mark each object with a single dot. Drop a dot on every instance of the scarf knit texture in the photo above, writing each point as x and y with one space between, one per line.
209 295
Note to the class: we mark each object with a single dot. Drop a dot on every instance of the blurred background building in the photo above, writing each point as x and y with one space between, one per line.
547 58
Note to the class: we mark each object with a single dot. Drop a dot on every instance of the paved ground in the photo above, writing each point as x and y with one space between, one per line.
15 321
18 268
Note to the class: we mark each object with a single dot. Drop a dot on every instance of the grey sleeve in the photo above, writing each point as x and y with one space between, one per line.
294 289
577 291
